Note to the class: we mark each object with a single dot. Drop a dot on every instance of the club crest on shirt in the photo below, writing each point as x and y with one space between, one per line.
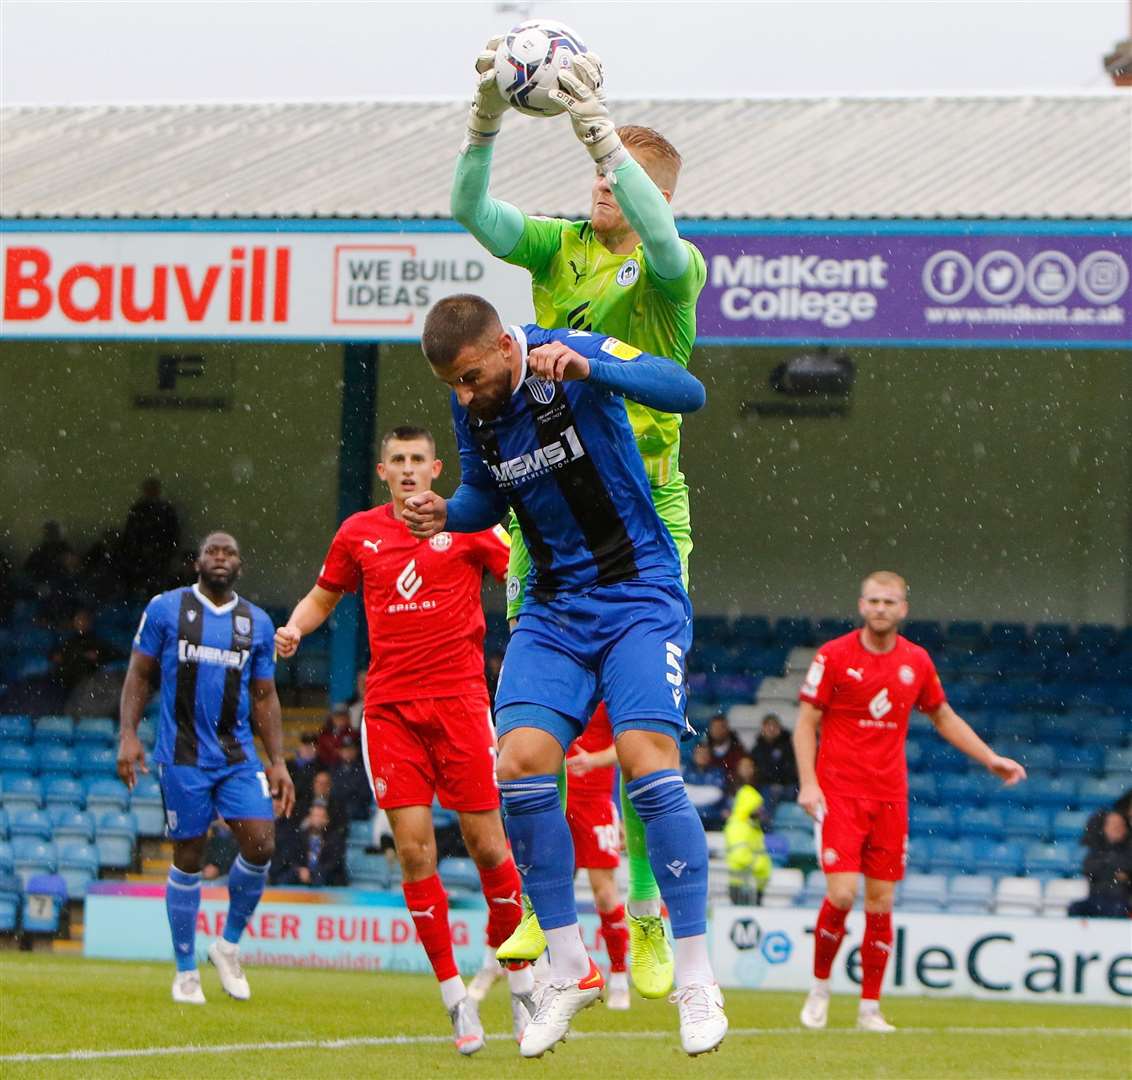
907 675
540 389
441 541
243 625
629 272
513 587
191 615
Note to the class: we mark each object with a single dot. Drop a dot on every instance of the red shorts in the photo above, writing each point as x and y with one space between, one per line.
442 746
595 829
864 836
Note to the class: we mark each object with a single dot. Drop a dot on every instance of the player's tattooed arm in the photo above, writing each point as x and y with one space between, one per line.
810 797
955 730
267 722
142 677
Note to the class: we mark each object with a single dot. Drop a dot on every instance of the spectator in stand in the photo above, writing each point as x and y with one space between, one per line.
220 851
1093 837
704 781
61 597
336 728
726 750
150 538
357 706
350 792
303 767
102 566
748 864
774 763
317 856
45 563
83 653
1108 867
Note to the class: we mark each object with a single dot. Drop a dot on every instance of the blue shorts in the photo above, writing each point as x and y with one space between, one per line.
193 797
623 644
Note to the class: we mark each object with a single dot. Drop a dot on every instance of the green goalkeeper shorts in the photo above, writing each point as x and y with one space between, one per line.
671 502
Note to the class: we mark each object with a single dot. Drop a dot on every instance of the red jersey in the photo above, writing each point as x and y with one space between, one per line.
866 699
422 602
598 735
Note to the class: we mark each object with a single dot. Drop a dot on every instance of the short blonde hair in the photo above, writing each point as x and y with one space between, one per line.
886 577
662 155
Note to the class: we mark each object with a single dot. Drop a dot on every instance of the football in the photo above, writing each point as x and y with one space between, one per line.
528 61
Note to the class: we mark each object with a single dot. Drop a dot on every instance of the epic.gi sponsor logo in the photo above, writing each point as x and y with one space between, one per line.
409 581
188 653
551 456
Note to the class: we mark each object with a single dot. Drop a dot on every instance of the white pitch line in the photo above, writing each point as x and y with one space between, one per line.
424 1040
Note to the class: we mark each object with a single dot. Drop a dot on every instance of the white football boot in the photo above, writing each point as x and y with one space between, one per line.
225 958
703 1022
556 1005
186 988
467 1030
815 1012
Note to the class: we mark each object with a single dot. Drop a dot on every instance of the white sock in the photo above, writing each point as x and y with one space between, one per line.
692 963
821 986
452 992
866 1007
489 961
568 958
619 980
640 908
521 981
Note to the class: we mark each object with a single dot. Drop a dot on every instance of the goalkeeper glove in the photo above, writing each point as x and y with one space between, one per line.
580 92
488 105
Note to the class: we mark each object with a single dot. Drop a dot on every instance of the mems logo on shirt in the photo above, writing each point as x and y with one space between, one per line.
551 456
188 653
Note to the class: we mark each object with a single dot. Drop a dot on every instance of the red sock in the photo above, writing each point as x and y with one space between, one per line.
428 905
502 887
616 935
827 937
875 951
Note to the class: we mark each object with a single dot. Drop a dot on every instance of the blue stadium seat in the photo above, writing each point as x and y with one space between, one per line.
147 732
960 789
814 891
952 856
940 758
99 762
1053 860
63 791
922 892
18 759
32 856
78 865
1118 761
1052 638
790 815
925 632
970 894
33 823
459 875
1068 825
117 823
932 821
21 792
57 729
800 841
1059 793
6 859
789 631
71 825
15 727
1097 639
10 898
777 848
114 839
1097 794
966 634
368 871
96 731
1002 859
45 896
1082 761
1026 825
1034 755
56 759
1018 726
107 794
977 822
1008 635
3 824
1115 731
828 629
149 808
922 788
920 853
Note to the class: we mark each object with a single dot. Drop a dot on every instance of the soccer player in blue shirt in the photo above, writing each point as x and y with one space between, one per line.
541 426
213 654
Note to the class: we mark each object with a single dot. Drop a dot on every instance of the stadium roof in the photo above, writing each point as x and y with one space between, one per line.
978 157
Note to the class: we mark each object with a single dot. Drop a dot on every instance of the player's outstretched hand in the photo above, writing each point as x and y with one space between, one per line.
581 762
489 101
425 514
131 758
581 93
282 787
1009 771
287 640
811 799
557 362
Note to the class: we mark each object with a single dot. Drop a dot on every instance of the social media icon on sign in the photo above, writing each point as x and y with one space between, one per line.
999 277
1103 277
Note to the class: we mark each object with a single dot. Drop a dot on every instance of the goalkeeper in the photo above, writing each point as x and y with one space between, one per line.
624 272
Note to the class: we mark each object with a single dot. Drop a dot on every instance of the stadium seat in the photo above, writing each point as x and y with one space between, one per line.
21 792
147 731
1068 825
1082 761
960 789
1052 638
63 791
932 821
998 859
72 825
34 823
1097 794
799 841
1018 896
96 731
1009 635
814 891
6 858
32 856
976 823
1118 761
45 897
15 728
1059 793
1035 756
18 759
459 875
922 892
922 788
148 807
10 893
1113 731
970 894
925 632
104 795
1052 860
777 848
368 871
1061 892
786 883
99 762
4 824
790 815
1026 825
57 759
952 856
57 729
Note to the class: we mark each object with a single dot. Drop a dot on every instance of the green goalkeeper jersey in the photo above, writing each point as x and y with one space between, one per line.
577 282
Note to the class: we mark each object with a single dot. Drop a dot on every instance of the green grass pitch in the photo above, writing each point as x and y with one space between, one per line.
55 1005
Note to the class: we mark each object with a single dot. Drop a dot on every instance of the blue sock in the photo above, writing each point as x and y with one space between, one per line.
677 848
245 887
182 902
542 846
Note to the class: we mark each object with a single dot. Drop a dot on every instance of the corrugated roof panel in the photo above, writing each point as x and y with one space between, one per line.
821 158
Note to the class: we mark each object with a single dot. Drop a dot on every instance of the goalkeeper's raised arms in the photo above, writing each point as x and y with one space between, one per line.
580 94
488 106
